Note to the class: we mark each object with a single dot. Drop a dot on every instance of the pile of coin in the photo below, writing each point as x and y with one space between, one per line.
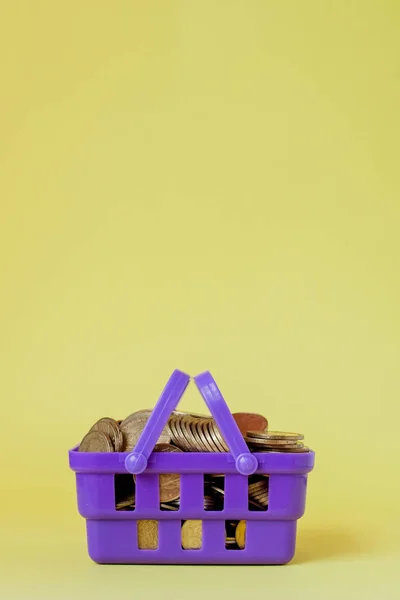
189 432
275 441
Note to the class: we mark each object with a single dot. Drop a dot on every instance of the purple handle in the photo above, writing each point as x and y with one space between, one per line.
245 462
136 461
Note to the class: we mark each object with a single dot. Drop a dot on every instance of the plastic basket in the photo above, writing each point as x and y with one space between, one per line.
112 535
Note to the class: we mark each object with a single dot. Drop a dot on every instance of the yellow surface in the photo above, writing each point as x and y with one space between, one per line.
201 185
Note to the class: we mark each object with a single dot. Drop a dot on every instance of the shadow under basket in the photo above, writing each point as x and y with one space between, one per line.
112 535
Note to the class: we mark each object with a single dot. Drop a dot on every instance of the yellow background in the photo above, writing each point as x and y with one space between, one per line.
201 185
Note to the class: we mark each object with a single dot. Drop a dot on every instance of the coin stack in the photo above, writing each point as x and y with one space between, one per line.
275 441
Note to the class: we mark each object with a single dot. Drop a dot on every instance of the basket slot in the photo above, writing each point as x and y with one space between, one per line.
192 492
147 492
236 493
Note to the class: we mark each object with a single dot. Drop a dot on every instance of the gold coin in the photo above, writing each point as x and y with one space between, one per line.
277 447
240 534
272 443
110 427
170 488
250 421
147 535
262 441
275 435
96 441
192 534
292 449
133 426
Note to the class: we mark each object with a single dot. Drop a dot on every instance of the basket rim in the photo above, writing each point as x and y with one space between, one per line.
191 462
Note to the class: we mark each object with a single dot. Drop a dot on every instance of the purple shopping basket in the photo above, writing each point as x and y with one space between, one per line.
112 535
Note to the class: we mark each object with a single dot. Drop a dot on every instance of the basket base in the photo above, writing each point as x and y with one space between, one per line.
267 543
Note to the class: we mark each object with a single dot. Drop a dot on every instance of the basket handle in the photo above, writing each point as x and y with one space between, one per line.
245 462
136 461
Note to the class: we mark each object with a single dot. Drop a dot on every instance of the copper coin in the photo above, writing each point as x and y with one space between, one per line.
204 437
250 421
212 444
96 441
183 442
111 428
199 436
176 435
196 442
213 438
217 435
187 433
132 428
170 488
